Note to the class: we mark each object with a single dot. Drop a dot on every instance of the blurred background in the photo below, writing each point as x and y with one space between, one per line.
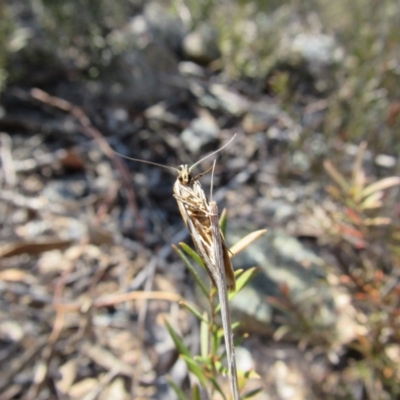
87 272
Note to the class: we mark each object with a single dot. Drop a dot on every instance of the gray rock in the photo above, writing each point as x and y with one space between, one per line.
282 260
201 135
312 52
316 48
165 27
385 161
201 45
142 68
229 100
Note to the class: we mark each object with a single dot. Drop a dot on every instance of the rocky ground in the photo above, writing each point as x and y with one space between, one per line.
87 268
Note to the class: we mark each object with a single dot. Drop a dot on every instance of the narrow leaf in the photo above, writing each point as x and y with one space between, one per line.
251 374
217 387
182 349
243 279
204 336
378 221
381 185
220 331
196 392
336 176
205 362
252 393
193 271
191 253
192 308
195 369
246 241
177 389
223 221
372 201
215 340
358 177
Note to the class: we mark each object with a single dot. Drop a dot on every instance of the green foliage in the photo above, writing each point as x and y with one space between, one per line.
59 34
367 78
362 100
365 239
78 30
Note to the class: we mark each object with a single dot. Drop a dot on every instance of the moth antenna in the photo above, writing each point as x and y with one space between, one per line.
214 152
148 162
197 177
212 179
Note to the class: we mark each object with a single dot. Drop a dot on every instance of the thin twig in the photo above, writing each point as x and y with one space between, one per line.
91 131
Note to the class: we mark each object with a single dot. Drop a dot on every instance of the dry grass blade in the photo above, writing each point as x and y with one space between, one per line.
336 176
246 241
383 184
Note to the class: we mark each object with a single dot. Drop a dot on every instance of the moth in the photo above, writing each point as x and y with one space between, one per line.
194 207
195 210
201 218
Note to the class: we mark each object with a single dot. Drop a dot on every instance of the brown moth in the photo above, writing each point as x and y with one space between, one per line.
194 205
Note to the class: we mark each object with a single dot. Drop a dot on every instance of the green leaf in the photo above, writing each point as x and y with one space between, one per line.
216 339
192 308
217 387
251 394
177 390
196 392
234 325
195 369
223 220
239 339
191 253
204 336
192 269
241 282
204 361
182 349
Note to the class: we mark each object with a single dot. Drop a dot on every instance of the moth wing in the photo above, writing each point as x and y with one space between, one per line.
229 272
179 196
197 233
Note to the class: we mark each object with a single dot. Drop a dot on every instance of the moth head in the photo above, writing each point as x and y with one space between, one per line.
184 174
